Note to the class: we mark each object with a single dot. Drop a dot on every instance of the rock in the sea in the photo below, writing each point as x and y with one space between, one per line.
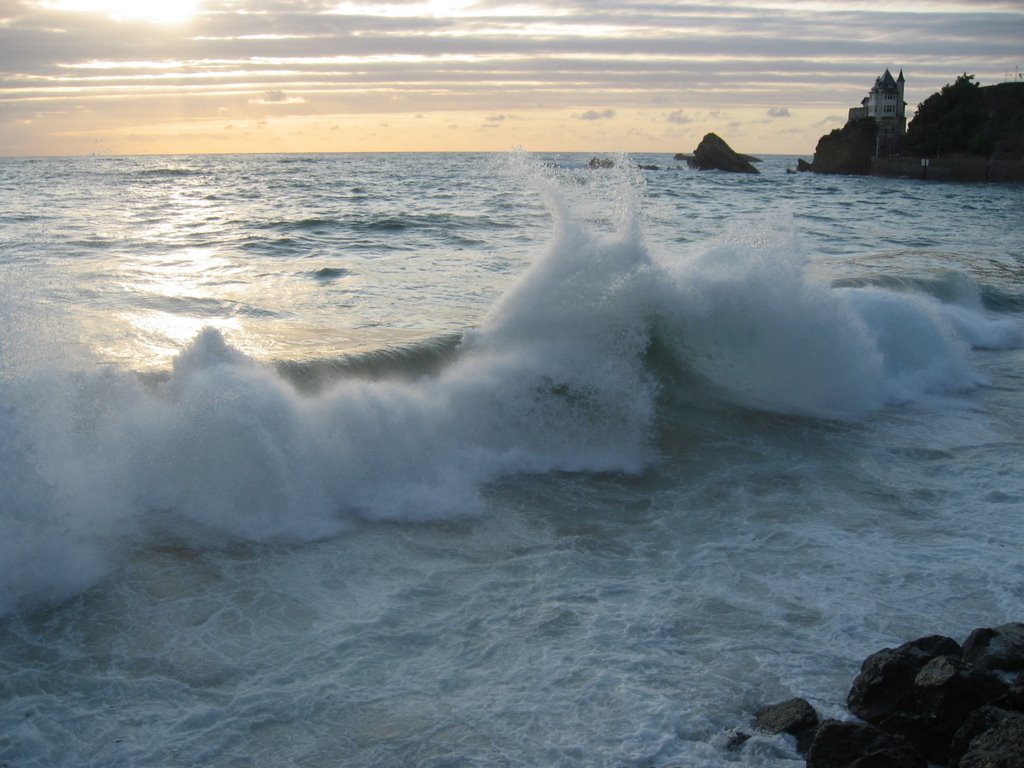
714 154
736 740
857 745
803 166
601 162
795 717
998 648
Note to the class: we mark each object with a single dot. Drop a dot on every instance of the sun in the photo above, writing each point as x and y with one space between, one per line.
155 11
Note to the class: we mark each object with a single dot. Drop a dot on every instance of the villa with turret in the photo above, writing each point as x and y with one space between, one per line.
885 104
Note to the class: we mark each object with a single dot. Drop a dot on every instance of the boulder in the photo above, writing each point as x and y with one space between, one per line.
803 166
946 692
979 721
795 717
714 154
999 745
885 684
998 648
1015 697
601 162
857 745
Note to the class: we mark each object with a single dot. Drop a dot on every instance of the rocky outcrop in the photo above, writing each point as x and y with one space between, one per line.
928 701
846 150
714 154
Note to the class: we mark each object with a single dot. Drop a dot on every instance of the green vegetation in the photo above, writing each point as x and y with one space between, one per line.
964 118
947 121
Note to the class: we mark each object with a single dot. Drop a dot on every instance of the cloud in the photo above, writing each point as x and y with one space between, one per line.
493 58
593 114
276 97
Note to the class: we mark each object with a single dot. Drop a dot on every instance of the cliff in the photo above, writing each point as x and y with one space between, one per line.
846 150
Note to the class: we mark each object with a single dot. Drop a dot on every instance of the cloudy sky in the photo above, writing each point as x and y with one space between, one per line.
131 76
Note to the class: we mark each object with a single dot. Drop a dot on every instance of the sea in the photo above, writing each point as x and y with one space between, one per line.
489 460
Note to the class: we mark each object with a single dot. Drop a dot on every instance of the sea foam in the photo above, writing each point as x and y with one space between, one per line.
557 377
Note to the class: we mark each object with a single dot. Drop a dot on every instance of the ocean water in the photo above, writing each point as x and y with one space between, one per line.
488 460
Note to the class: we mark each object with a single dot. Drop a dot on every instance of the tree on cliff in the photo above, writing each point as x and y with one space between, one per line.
949 121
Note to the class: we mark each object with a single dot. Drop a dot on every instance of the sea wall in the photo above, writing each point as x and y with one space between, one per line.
949 169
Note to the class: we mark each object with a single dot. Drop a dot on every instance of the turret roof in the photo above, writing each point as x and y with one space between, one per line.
886 82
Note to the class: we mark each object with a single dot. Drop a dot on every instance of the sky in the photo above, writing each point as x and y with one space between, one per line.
183 76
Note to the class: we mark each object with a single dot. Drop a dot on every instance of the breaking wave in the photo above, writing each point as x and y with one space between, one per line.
567 373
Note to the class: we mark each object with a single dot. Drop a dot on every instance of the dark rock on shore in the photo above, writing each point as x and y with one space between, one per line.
928 701
886 680
855 745
999 648
992 738
714 154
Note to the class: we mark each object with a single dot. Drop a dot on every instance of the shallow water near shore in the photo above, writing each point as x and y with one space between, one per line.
469 460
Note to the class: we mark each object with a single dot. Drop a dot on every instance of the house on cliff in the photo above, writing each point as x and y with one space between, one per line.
885 104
